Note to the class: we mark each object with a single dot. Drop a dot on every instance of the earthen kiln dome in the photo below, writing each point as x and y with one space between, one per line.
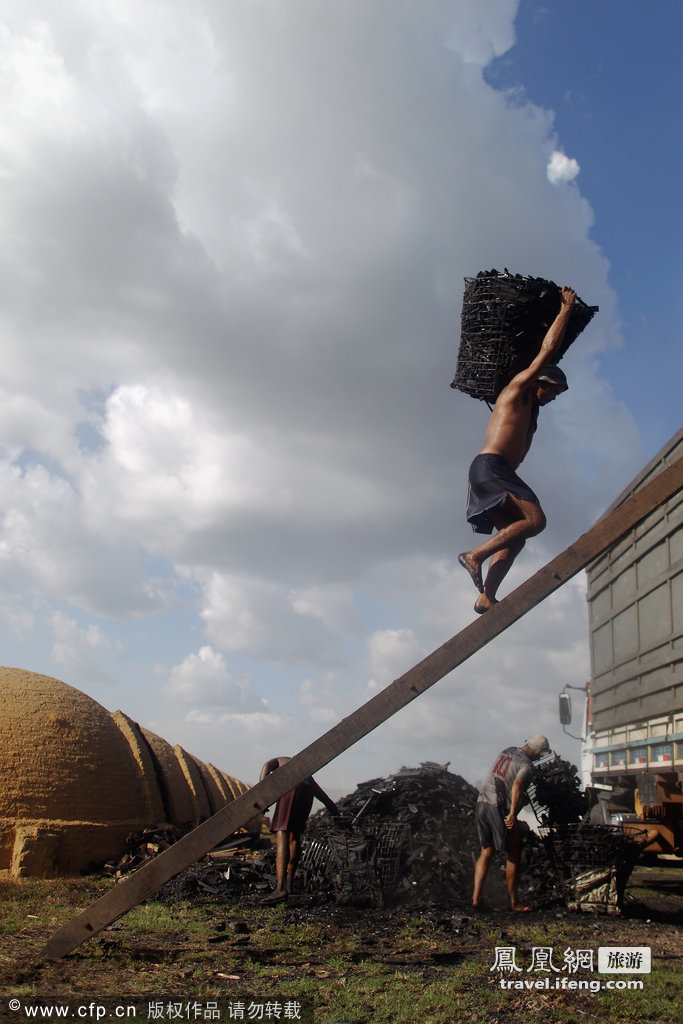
75 780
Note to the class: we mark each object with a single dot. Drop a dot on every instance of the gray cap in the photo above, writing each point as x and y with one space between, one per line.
539 744
553 375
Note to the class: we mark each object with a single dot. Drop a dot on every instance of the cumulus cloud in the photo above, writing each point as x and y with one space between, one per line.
80 651
483 30
204 679
390 653
237 238
561 167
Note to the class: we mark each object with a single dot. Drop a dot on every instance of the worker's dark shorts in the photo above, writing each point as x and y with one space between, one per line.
490 825
292 810
491 479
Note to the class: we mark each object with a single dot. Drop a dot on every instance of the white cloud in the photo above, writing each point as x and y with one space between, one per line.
80 651
323 718
203 679
46 551
391 652
482 30
252 723
331 605
271 621
231 294
561 167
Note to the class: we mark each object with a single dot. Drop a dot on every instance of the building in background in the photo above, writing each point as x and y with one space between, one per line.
633 731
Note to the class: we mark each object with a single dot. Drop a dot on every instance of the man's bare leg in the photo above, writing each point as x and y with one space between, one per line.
513 849
499 567
281 868
515 521
480 871
294 857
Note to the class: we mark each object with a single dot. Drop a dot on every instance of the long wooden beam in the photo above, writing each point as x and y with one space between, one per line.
151 876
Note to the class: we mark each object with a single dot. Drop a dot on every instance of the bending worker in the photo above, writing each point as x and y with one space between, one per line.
495 815
288 823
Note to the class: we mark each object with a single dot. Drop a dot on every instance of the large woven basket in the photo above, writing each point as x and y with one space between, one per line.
504 320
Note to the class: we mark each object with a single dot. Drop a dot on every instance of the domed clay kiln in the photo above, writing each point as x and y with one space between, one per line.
76 780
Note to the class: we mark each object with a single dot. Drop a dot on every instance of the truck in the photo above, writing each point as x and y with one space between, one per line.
632 722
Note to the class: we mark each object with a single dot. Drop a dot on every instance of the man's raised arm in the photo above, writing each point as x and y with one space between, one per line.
551 343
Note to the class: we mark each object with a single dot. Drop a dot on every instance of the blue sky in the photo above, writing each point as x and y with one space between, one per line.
610 73
233 470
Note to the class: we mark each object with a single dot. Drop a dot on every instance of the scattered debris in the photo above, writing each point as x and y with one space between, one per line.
239 868
141 847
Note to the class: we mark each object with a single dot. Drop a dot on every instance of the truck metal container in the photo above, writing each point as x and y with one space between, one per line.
633 725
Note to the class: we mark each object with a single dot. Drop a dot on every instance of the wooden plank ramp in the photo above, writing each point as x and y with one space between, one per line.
152 875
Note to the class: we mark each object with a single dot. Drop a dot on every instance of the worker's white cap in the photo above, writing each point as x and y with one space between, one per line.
539 744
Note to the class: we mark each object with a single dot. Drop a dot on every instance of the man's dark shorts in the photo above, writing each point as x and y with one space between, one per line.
490 825
292 810
491 479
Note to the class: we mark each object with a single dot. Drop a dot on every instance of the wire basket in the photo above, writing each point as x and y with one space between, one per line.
504 320
359 863
595 862
392 840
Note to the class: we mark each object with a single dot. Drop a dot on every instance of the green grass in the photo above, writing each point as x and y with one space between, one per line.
158 918
22 902
415 972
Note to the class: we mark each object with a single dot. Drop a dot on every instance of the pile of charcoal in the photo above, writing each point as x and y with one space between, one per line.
411 838
240 867
410 841
407 840
556 795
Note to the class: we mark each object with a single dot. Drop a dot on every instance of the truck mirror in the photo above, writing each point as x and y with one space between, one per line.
565 709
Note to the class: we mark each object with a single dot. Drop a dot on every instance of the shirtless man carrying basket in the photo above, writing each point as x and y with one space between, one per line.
497 497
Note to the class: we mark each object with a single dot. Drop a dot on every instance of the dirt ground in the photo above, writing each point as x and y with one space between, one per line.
238 946
411 952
